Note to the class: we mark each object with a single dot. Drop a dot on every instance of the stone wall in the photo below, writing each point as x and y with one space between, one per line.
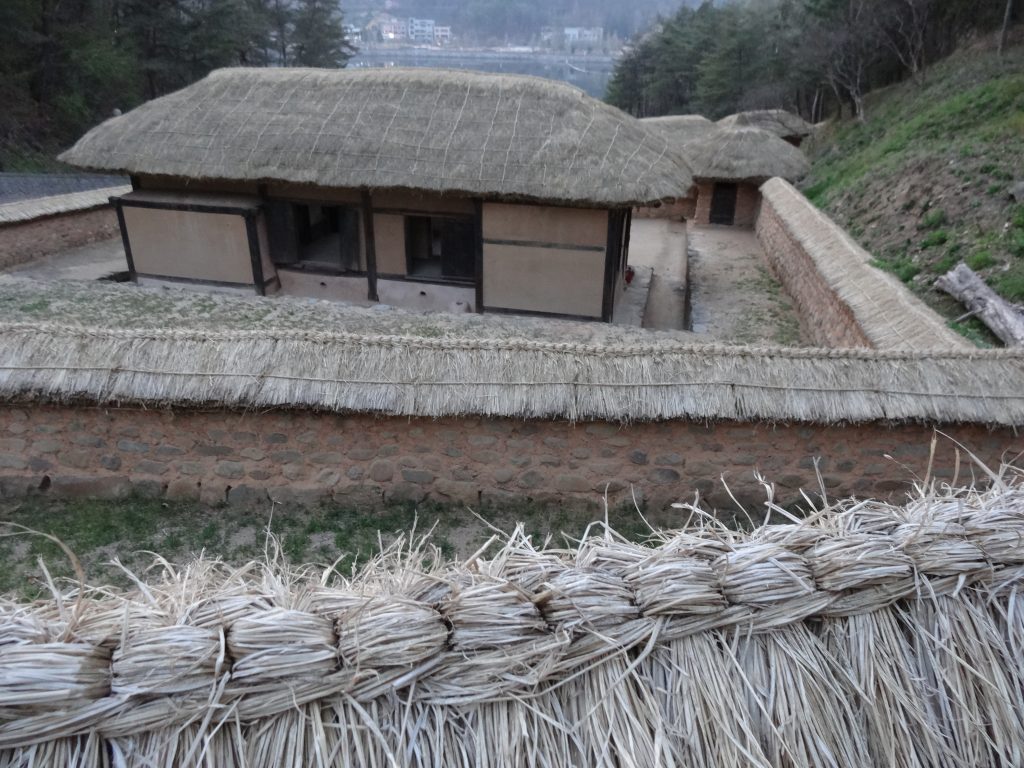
825 318
28 240
291 456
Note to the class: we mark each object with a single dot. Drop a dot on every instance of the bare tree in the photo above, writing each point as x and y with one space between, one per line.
845 43
1006 26
903 25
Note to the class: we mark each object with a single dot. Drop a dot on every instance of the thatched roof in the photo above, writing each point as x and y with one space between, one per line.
679 129
738 154
470 133
778 121
869 635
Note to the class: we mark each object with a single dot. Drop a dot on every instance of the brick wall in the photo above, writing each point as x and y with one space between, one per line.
825 319
40 237
248 458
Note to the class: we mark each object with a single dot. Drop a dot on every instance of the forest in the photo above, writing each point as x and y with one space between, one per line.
813 57
67 64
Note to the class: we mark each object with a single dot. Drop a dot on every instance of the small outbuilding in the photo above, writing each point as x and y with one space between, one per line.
421 188
730 165
785 125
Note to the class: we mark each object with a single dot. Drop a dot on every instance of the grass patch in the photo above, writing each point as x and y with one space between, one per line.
905 269
936 238
980 260
1010 284
933 219
130 529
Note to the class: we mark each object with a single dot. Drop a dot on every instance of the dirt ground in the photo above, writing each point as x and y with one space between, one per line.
733 295
661 245
95 261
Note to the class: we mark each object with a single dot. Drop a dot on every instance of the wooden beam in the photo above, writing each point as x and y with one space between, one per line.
371 248
478 267
611 252
252 233
124 239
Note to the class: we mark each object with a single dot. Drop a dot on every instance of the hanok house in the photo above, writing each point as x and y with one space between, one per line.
418 188
785 125
729 166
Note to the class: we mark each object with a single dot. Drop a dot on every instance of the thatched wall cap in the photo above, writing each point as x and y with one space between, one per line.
504 136
738 154
777 121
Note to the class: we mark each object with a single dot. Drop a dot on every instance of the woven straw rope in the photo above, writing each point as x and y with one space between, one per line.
482 636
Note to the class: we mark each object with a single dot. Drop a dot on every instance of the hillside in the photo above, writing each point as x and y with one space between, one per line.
925 181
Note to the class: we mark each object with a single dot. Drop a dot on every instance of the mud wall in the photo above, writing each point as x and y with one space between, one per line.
290 456
24 241
825 318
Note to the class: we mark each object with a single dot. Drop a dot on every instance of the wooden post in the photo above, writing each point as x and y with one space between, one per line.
371 248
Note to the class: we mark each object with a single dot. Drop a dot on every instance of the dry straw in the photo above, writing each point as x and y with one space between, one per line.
521 378
679 129
738 154
867 635
784 124
435 131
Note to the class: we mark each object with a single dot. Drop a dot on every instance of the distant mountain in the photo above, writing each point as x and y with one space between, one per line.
521 21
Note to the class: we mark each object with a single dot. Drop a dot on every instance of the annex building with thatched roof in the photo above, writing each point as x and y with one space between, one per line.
420 188
782 123
730 165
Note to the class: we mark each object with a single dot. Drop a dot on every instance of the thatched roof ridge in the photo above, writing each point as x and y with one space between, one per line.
434 377
738 154
457 132
778 121
888 313
679 129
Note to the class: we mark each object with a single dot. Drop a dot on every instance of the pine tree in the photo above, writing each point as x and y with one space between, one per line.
318 35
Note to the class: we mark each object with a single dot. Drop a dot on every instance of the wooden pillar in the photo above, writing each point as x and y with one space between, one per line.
371 248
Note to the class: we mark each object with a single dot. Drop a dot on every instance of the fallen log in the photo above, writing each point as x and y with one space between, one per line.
1002 318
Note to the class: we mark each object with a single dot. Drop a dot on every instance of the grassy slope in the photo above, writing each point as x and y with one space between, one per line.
924 182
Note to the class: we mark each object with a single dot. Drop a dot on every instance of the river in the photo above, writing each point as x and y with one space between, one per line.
590 73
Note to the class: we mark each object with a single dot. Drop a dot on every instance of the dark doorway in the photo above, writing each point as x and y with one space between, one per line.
723 204
441 248
309 235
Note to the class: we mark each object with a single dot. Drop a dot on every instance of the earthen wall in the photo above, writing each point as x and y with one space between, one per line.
28 240
292 456
825 318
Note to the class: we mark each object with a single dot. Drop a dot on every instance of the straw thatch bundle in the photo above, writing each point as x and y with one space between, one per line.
738 154
783 124
514 377
679 129
472 133
866 635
